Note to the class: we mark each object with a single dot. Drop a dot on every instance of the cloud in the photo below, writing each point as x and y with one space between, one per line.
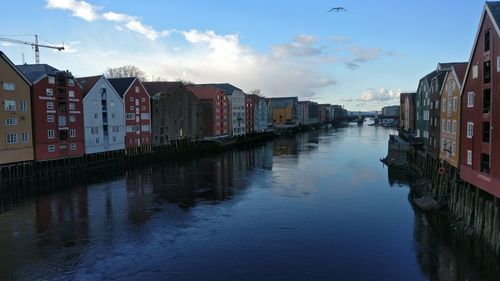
381 95
346 100
301 46
79 9
363 55
6 44
90 13
341 39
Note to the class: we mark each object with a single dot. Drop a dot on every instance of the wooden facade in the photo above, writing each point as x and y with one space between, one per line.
407 112
216 110
16 143
57 111
480 118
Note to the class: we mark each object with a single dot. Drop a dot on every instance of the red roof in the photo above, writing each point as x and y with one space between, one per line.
204 92
88 83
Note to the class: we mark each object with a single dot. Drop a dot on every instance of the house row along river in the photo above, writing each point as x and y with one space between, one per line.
317 206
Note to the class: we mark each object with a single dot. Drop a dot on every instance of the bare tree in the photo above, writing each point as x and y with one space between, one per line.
125 71
255 92
185 82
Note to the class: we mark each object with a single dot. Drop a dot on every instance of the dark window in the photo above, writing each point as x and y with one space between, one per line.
63 135
487 71
486 132
62 107
485 163
486 100
487 41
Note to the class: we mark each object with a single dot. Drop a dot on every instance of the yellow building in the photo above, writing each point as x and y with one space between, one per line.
450 114
282 116
16 143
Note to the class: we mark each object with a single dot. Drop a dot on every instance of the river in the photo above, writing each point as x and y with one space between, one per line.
318 206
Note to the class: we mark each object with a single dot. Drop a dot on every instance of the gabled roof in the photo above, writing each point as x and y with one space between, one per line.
165 87
121 85
205 91
495 10
87 83
13 66
226 87
35 72
459 70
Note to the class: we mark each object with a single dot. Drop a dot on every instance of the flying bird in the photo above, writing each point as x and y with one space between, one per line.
337 9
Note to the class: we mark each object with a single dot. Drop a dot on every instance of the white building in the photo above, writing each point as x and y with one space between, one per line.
260 116
237 103
104 115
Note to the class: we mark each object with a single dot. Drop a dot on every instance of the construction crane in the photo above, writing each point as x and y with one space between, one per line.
35 45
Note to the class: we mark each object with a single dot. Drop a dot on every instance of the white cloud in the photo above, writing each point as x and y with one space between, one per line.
90 12
381 95
6 44
79 9
301 46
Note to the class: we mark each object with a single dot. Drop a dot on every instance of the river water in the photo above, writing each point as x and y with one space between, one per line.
319 206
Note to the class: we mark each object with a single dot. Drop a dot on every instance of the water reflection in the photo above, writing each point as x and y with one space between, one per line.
302 208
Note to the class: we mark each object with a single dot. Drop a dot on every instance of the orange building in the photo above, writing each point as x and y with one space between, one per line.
16 144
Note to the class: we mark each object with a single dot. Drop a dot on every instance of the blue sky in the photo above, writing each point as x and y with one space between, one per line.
361 58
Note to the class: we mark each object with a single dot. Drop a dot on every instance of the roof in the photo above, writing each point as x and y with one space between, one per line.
159 87
254 98
35 72
460 69
121 85
226 87
282 102
9 62
495 10
88 83
204 92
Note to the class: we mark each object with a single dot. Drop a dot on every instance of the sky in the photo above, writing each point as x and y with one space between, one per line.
361 58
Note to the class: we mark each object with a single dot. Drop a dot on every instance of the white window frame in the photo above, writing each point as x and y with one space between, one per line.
72 133
71 93
11 121
51 134
11 138
475 71
51 80
470 130
25 137
10 105
49 92
469 157
50 118
72 146
9 86
51 148
470 99
23 105
50 105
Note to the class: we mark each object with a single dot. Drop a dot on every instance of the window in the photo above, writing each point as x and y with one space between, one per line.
470 99
454 127
143 99
52 80
113 115
71 82
51 148
71 94
96 116
10 121
486 100
130 116
145 128
7 86
11 138
115 129
72 118
486 132
455 104
448 125
50 134
498 64
50 118
72 133
145 116
72 146
470 130
443 125
485 163
23 105
131 108
50 105
25 137
94 130
71 106
131 99
487 72
487 41
130 129
143 107
443 105
136 90
96 140
114 138
475 71
9 105
49 92
63 135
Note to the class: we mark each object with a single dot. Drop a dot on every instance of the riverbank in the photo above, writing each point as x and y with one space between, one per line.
436 187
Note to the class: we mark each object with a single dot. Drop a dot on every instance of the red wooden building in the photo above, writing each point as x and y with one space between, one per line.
251 101
57 111
480 102
137 112
216 110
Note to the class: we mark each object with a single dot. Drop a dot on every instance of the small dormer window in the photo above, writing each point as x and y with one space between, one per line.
71 82
52 80
136 90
